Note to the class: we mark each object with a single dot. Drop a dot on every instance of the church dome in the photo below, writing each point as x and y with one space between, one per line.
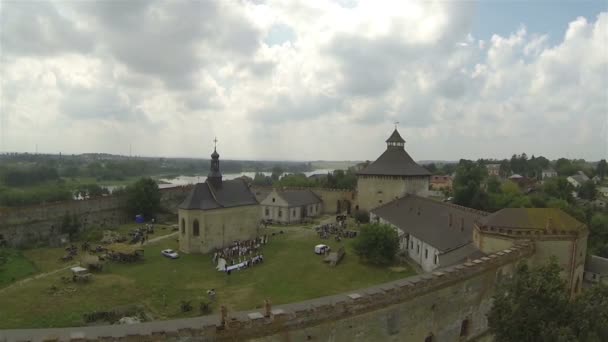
215 155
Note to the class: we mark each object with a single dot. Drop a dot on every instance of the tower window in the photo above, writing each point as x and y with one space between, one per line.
426 253
267 212
273 200
280 213
183 226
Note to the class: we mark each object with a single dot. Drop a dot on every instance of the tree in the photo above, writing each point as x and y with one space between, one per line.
277 171
143 197
467 184
602 168
534 305
377 243
587 190
530 306
558 187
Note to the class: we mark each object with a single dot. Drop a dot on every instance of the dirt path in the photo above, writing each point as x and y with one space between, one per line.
46 274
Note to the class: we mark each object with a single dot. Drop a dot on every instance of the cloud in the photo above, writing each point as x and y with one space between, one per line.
297 80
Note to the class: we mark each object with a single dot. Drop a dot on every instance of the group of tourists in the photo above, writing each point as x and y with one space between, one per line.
240 254
338 230
140 234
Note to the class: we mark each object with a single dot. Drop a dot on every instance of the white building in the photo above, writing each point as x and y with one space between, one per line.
433 233
291 206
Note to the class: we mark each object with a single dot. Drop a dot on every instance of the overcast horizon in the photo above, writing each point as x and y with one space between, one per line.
305 80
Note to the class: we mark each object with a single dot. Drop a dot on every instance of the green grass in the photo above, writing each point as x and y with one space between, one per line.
14 266
291 272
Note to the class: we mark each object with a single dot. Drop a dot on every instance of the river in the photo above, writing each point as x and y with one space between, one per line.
185 180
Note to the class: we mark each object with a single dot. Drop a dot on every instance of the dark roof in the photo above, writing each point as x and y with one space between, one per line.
532 218
394 162
597 265
296 198
232 193
459 255
395 137
432 224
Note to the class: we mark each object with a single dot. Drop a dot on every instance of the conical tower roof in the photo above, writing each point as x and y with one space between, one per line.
395 137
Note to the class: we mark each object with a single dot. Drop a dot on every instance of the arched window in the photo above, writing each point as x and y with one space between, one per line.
464 328
183 226
195 230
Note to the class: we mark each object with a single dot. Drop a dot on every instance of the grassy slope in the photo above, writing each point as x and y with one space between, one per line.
291 272
16 267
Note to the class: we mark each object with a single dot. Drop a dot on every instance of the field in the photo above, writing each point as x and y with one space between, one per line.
290 272
14 266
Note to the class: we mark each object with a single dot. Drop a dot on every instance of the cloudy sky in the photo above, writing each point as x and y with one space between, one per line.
305 80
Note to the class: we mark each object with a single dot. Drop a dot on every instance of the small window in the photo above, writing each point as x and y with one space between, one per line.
293 213
379 201
273 200
280 213
412 244
418 248
183 226
436 259
426 253
464 328
267 212
195 230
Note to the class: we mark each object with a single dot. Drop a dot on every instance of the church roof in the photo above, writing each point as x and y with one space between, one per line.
395 137
394 162
532 218
232 193
296 198
429 221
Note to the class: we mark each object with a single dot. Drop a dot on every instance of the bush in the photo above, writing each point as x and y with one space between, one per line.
377 244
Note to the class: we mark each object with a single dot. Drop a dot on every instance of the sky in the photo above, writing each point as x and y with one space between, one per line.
305 80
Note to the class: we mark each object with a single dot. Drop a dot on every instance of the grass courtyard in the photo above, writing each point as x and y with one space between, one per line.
291 272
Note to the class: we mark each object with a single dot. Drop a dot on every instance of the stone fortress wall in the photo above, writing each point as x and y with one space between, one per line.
449 304
41 224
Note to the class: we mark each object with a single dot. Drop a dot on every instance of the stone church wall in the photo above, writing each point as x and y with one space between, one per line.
374 191
40 224
437 304
218 228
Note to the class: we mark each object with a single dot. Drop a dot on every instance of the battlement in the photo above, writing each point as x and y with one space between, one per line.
291 317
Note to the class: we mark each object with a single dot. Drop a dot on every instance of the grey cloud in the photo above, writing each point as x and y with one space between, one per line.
37 28
285 108
105 103
173 40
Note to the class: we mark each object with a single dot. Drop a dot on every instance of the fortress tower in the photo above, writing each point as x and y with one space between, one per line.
391 176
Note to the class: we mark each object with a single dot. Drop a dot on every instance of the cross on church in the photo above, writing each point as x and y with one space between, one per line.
215 142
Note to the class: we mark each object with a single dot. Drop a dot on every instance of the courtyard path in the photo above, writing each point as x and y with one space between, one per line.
46 274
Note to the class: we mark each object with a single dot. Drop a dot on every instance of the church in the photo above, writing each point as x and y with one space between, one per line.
217 212
393 175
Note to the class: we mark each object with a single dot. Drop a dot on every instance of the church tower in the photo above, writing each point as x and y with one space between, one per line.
391 176
215 176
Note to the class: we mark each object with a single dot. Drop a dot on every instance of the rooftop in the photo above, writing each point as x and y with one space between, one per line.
429 220
532 218
231 193
296 198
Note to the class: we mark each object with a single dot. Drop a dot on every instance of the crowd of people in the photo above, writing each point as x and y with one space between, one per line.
240 254
337 229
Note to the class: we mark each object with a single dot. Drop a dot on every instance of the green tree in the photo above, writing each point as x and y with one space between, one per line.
467 185
587 190
534 305
493 185
277 171
602 168
377 243
530 306
143 197
558 187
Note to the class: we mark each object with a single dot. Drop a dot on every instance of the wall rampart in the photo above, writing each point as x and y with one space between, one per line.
34 225
438 304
